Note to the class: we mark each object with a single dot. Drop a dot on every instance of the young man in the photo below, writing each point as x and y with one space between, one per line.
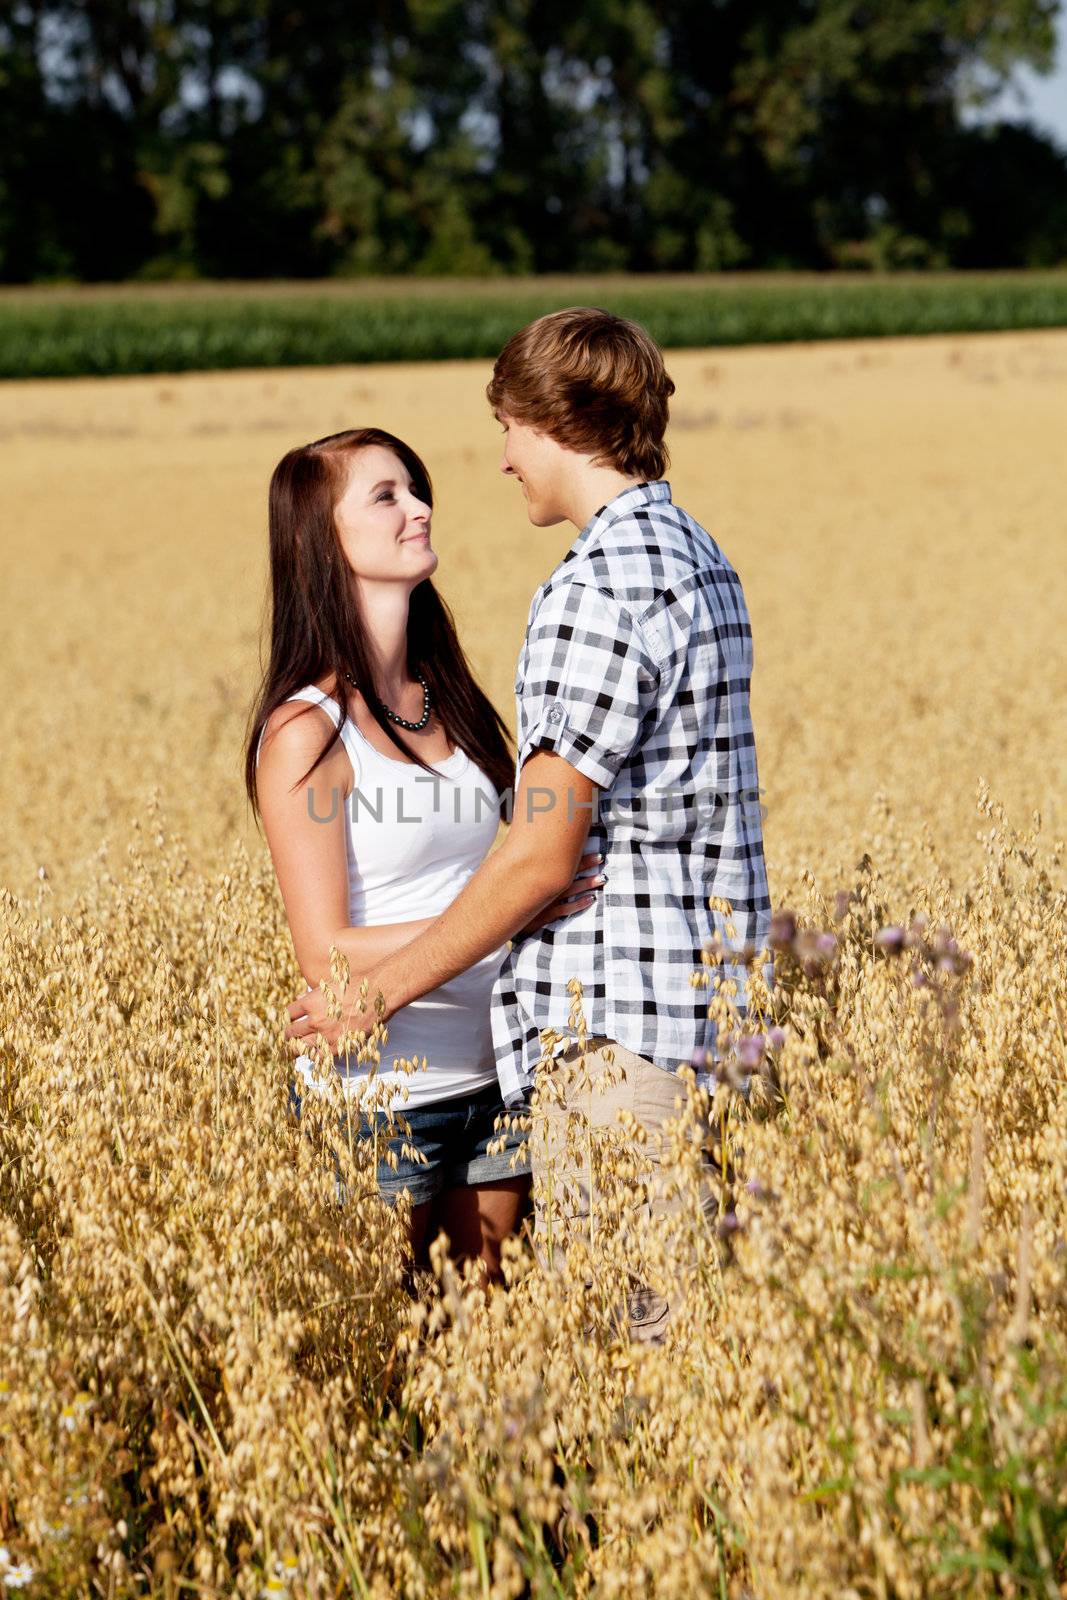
634 740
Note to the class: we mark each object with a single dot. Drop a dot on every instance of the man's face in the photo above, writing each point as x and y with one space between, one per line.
540 464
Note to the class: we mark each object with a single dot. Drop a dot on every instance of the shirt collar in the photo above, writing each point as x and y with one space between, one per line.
638 494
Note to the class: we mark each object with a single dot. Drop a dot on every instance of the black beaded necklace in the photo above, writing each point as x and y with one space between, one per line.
403 721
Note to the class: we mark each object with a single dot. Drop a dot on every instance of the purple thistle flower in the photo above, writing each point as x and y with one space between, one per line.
750 1050
890 939
783 929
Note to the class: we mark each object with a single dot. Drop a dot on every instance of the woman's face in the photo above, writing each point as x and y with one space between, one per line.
383 526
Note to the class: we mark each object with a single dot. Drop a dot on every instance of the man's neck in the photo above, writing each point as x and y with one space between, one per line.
591 488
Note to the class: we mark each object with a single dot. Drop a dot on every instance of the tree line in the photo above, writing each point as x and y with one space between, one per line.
264 138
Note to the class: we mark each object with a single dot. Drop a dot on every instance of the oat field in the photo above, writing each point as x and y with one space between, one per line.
212 1381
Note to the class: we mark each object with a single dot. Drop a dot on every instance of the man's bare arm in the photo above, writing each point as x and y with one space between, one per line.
536 863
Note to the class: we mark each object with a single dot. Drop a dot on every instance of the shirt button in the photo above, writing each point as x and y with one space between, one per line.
555 712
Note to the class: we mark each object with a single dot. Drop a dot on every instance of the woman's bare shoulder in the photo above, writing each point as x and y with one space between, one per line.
293 736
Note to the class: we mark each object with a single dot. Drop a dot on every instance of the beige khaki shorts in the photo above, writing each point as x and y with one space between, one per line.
619 1081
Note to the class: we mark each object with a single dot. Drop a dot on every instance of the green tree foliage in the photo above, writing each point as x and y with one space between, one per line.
303 137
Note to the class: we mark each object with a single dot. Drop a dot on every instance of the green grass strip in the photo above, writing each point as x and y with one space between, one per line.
66 333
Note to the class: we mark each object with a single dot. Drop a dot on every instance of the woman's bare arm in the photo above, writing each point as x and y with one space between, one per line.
306 825
362 947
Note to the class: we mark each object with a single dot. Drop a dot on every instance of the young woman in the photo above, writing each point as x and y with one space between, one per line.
377 765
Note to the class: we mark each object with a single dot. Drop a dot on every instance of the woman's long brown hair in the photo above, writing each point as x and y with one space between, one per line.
316 628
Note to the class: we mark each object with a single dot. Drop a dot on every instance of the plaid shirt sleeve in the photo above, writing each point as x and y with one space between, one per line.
589 681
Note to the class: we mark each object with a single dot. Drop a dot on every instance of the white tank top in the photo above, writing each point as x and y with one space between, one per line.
413 841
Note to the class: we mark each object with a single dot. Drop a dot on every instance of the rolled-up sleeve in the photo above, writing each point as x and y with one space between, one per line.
590 682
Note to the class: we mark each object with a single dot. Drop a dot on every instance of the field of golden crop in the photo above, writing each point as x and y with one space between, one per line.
211 1378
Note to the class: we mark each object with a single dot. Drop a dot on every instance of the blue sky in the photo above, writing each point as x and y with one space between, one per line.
1040 100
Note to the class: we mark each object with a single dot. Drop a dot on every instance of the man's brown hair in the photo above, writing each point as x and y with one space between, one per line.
594 382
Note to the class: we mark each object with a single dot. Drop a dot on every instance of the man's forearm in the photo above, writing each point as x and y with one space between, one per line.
535 866
500 899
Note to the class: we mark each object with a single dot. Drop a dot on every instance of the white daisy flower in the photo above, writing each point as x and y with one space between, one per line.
76 1412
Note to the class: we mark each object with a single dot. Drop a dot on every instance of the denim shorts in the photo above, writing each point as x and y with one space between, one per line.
452 1136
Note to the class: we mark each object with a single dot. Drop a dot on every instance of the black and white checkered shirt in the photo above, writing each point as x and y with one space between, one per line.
636 669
